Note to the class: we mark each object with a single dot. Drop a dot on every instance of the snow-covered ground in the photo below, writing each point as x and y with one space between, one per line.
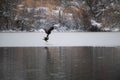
59 39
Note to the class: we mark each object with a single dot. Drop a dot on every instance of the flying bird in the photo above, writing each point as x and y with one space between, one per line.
48 32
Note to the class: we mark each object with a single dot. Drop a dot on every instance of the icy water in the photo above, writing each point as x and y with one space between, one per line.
59 39
60 63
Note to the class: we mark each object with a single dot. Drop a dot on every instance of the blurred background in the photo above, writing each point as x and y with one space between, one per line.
64 15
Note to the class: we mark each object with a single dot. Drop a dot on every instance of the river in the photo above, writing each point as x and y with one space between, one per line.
60 63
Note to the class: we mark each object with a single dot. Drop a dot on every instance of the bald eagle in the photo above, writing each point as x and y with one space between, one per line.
48 32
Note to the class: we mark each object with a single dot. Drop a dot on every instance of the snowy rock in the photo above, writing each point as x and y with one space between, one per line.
62 29
16 18
94 23
29 10
74 3
56 25
26 19
115 29
55 30
20 5
55 12
43 20
68 15
72 30
41 30
41 8
107 29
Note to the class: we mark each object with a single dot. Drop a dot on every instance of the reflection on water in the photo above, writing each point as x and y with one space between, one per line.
60 63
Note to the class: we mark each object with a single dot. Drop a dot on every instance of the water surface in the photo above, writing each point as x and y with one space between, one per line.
60 63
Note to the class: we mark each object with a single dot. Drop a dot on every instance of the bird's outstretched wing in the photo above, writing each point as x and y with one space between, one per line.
48 31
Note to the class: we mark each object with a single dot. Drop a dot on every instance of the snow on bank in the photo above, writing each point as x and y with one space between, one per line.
61 29
99 25
115 29
112 29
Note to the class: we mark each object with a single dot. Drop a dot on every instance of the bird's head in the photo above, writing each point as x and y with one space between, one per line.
46 39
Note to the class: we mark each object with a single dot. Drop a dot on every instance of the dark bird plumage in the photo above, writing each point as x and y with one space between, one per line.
48 32
46 38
